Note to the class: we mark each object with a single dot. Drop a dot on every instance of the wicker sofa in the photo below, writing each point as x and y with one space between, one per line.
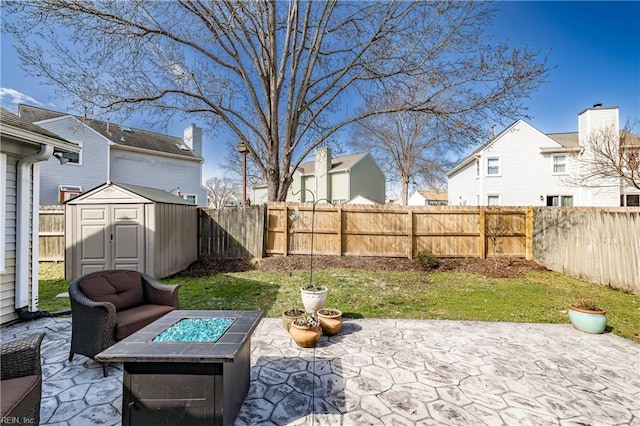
107 306
21 384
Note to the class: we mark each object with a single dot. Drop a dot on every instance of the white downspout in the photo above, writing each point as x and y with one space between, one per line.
23 231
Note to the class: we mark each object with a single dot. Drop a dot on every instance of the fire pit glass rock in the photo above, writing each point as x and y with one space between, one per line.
195 330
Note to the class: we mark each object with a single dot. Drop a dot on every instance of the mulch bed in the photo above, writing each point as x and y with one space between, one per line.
507 267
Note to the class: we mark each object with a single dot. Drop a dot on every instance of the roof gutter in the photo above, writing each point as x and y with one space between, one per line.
23 224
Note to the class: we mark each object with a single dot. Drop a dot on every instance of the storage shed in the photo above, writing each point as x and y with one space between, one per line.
121 226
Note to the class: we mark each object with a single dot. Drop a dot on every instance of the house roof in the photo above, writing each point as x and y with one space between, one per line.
433 195
338 164
17 127
567 140
118 134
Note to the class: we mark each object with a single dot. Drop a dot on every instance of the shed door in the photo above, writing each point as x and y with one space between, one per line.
110 237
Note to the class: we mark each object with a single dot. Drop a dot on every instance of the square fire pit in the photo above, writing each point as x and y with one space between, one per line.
188 367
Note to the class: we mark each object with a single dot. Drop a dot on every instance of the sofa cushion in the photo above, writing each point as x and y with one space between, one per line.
131 320
18 396
123 289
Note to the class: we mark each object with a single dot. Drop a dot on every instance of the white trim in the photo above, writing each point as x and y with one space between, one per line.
35 236
3 210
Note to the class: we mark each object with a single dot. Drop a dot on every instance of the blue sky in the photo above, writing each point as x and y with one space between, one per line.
594 47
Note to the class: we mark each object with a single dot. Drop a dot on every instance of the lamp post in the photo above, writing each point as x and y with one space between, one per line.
242 149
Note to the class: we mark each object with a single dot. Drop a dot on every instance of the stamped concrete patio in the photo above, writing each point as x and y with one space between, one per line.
391 372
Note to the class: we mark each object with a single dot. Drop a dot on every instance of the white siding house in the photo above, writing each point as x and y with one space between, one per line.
23 147
115 153
523 166
337 179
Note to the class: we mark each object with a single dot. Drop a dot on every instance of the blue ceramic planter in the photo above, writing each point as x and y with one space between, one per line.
593 322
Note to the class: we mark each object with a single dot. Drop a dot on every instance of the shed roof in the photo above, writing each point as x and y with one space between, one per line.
152 194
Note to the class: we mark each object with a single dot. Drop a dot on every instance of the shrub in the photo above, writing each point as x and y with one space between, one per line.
426 260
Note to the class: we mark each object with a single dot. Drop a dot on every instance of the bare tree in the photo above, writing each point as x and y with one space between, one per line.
407 148
496 230
610 156
274 73
222 191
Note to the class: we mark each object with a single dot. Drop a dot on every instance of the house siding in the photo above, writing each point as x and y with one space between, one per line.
92 171
8 280
158 172
526 175
367 179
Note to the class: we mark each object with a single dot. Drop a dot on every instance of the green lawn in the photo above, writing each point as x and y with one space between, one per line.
538 297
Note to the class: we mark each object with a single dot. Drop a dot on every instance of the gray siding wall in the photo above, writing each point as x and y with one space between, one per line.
92 170
367 179
8 280
158 172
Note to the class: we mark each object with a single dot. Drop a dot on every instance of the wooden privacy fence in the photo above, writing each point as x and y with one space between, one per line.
394 231
231 233
51 234
600 245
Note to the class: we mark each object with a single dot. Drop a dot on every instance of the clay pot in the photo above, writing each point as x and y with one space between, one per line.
305 337
594 322
330 321
289 316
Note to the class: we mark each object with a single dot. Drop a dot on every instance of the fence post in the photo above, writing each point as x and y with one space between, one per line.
410 233
482 237
285 210
529 233
340 230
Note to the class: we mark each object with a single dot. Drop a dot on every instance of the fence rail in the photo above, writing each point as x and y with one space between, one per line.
51 234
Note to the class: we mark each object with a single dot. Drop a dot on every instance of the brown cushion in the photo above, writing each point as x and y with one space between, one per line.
123 289
18 396
131 320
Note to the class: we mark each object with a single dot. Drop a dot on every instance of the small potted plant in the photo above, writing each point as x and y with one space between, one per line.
330 321
289 315
586 316
305 330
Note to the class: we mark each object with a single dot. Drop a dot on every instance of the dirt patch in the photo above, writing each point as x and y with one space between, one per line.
507 268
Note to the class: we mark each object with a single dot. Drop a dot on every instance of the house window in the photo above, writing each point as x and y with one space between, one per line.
493 200
559 164
67 192
477 168
493 166
3 206
74 157
559 200
630 200
190 198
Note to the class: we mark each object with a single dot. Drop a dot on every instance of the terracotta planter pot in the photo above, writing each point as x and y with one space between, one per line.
314 299
289 316
330 321
305 337
594 322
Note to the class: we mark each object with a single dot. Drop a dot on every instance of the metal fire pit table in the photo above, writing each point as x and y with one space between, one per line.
190 379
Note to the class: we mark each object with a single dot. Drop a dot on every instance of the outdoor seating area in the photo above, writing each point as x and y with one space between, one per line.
108 306
386 371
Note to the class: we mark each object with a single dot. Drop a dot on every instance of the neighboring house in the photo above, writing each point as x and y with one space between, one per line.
115 153
522 166
338 179
23 148
428 198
